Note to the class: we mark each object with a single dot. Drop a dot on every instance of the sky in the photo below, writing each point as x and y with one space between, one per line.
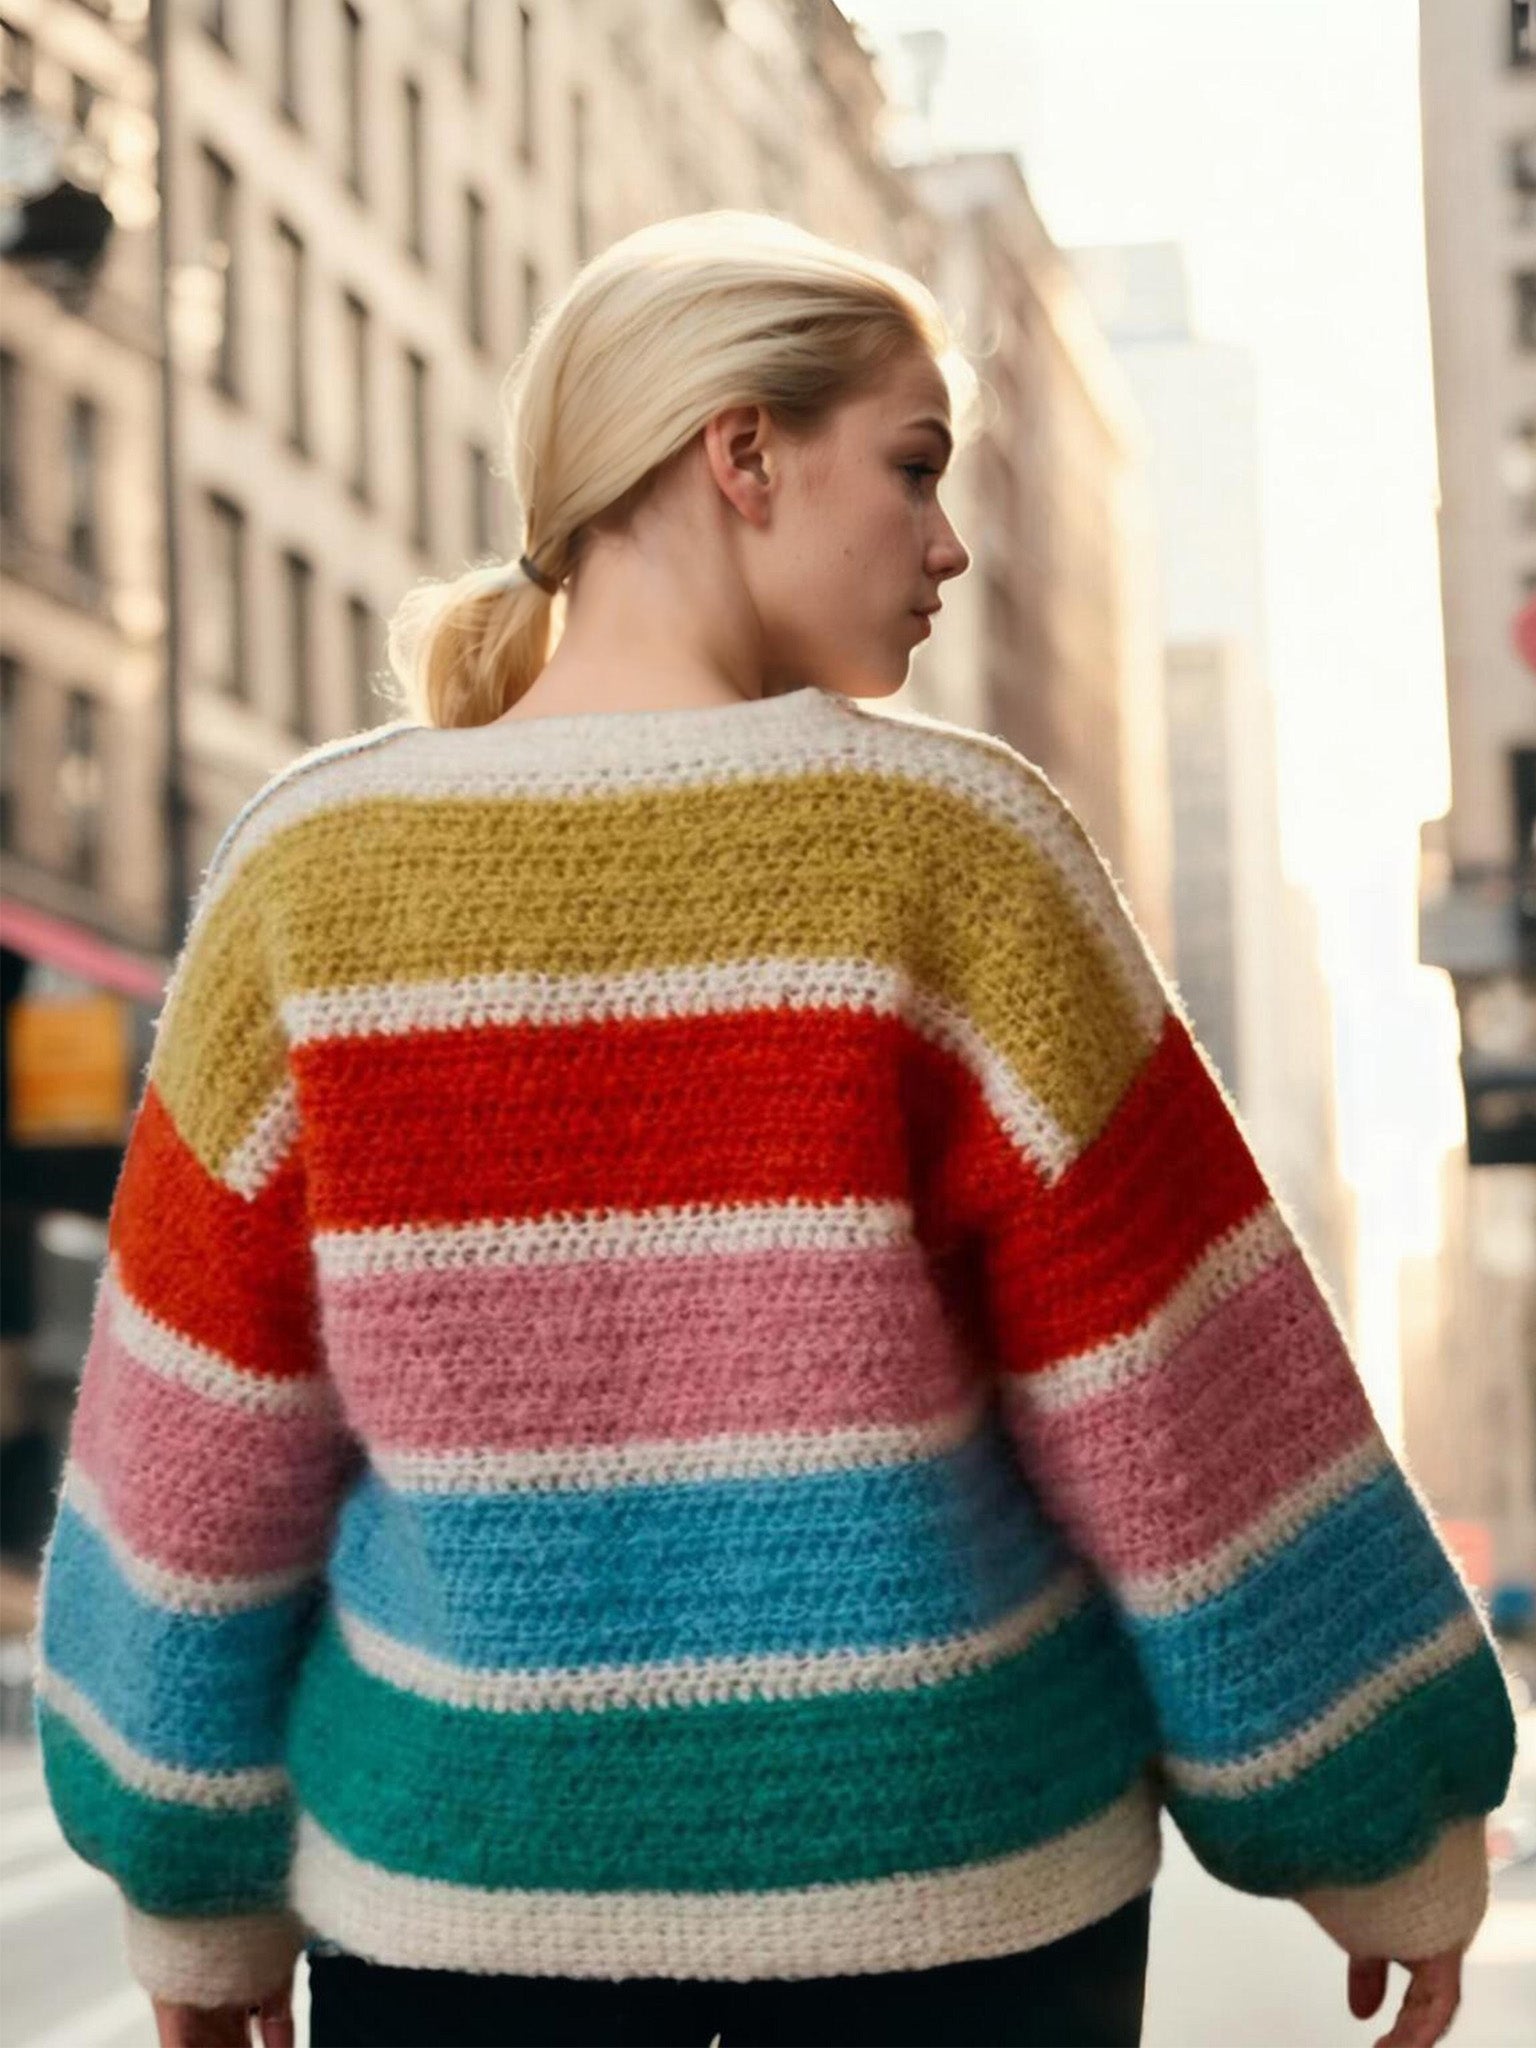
1278 142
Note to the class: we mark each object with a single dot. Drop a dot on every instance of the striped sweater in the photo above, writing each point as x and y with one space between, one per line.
694 1376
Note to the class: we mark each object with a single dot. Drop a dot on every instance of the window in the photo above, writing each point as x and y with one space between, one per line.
360 647
1521 160
526 96
15 59
288 60
359 480
84 532
10 421
474 267
416 379
482 516
292 295
221 619
298 605
1518 465
352 89
219 255
415 212
79 788
10 694
580 224
1525 309
1522 41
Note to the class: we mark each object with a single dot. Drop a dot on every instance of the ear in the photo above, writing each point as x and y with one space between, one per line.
742 458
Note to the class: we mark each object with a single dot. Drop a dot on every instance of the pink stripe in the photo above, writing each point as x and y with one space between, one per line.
200 1485
1249 1405
525 1357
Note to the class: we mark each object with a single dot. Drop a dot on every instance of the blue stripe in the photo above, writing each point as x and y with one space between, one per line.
1360 1584
205 1692
868 1559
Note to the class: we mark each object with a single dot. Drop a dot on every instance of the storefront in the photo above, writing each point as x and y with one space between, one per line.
78 1022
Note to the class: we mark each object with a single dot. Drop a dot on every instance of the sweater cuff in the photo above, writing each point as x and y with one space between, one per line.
1435 1904
214 1958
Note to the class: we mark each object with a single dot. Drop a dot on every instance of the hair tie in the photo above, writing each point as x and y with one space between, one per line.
535 574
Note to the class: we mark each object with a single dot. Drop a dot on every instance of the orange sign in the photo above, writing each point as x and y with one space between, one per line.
69 1070
1471 1544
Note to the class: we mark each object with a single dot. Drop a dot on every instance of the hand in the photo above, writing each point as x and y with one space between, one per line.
227 2026
1429 2004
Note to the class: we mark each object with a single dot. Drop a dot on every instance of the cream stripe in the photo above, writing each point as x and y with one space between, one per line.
1223 1270
605 1235
702 989
272 1136
581 1468
913 1920
711 1681
1457 1638
170 1356
214 1791
1282 1521
178 1592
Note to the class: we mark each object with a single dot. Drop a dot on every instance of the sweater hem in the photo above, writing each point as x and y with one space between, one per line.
913 1920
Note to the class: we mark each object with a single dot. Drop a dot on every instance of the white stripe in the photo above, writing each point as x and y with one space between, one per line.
177 1591
709 1681
271 1137
1351 1715
1165 1593
912 1920
167 1354
591 1468
219 1791
1260 1242
607 1235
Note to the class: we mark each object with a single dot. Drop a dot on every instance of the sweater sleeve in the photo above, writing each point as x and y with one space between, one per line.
1333 1719
205 1461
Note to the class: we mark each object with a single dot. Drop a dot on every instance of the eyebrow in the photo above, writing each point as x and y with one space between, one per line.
938 426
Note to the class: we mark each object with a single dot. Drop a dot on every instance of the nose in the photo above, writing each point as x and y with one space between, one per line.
948 555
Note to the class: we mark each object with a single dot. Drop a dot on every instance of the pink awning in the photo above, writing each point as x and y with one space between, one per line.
73 950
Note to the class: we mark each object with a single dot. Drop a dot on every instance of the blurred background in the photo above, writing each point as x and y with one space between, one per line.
1251 288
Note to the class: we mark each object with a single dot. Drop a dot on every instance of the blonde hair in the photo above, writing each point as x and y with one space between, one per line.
652 337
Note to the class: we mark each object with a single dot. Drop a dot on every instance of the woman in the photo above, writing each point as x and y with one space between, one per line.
699 1411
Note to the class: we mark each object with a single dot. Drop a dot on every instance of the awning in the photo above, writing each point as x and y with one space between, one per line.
73 950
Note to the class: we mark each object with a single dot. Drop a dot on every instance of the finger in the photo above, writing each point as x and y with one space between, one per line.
1367 1984
277 2026
1422 2021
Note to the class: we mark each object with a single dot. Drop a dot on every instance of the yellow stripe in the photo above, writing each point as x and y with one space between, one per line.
219 1051
809 865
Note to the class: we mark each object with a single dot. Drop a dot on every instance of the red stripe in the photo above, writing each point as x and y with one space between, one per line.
530 1120
1094 1256
228 1273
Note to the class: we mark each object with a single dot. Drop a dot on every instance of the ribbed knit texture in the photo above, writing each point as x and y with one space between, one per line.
695 1376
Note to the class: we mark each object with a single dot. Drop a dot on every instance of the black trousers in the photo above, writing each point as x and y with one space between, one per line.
1084 1991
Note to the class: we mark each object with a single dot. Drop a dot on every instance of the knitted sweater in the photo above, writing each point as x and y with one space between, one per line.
694 1376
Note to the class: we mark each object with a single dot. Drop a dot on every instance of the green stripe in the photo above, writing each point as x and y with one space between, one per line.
167 1858
1374 1805
734 1795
